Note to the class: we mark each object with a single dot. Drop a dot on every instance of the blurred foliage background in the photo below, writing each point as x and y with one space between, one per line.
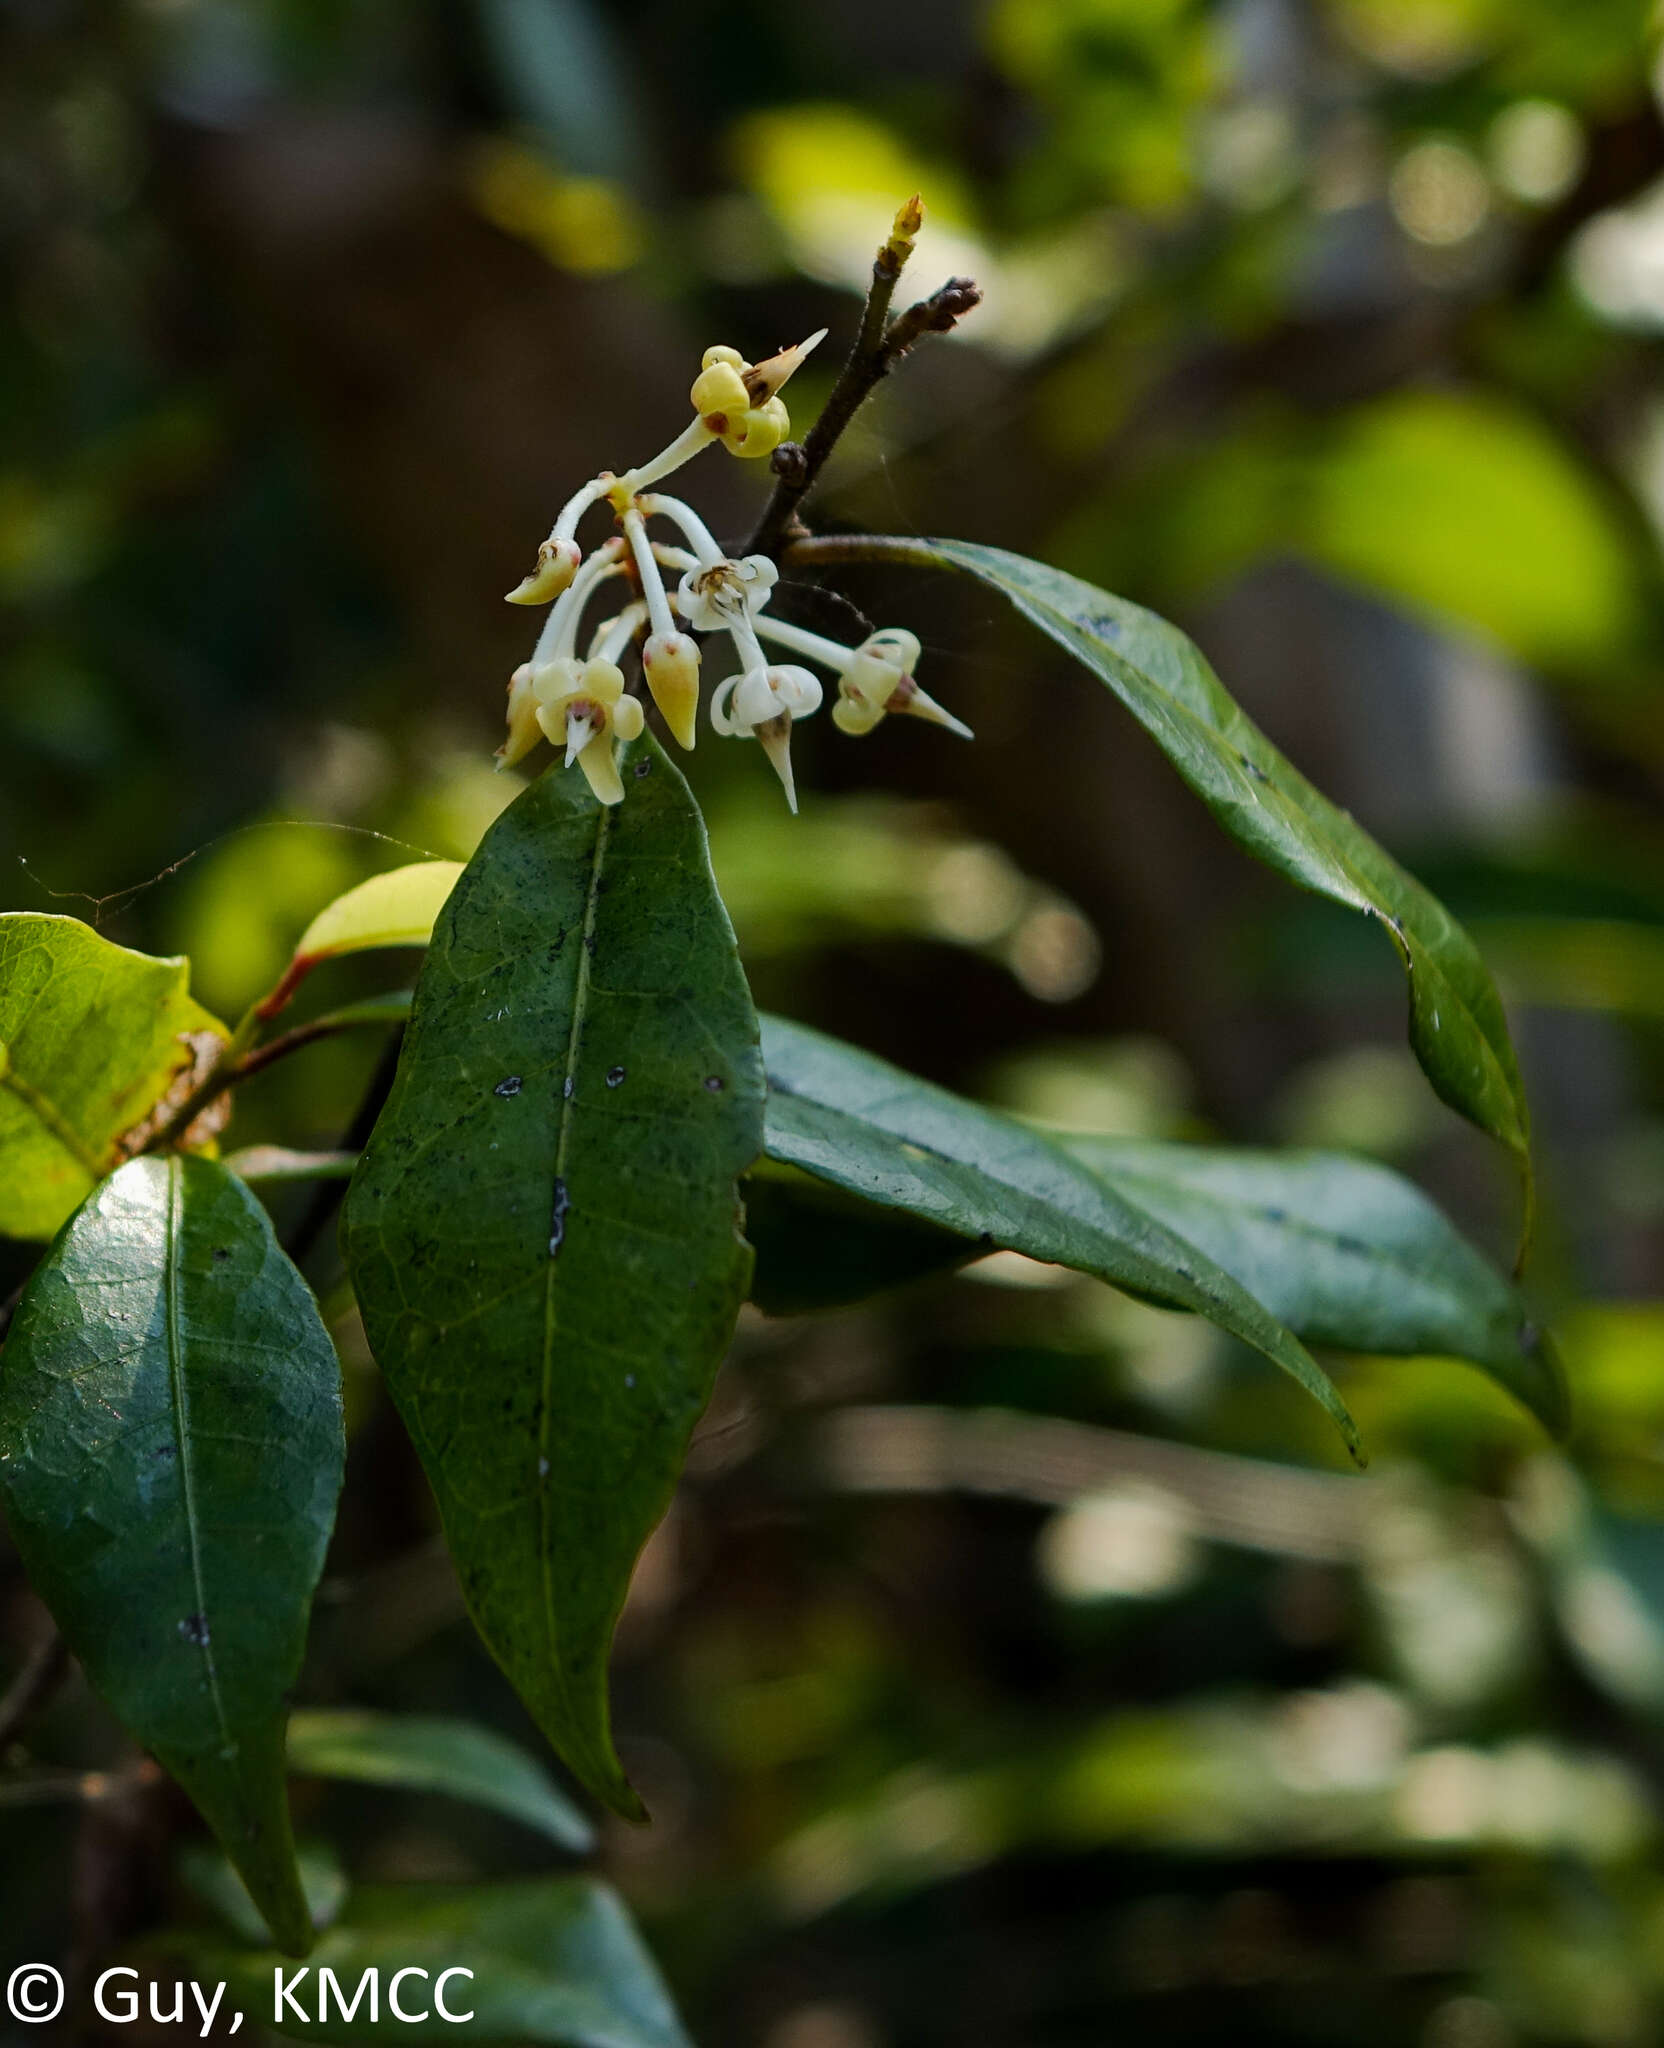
1330 327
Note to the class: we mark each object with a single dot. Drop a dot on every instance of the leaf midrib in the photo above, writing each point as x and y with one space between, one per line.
568 1102
181 1426
46 1113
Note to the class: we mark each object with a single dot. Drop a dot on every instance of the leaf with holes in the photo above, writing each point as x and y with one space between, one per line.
92 1039
1457 1025
171 1451
872 1130
544 1228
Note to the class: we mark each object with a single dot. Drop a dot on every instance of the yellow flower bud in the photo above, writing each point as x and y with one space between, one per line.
718 353
719 391
523 731
557 564
853 716
758 431
671 664
879 679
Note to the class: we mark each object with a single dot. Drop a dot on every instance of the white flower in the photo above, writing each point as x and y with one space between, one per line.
710 598
761 704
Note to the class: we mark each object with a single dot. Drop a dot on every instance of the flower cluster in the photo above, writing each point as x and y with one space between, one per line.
578 700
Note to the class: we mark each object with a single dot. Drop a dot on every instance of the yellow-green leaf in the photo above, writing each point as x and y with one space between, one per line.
93 1038
394 909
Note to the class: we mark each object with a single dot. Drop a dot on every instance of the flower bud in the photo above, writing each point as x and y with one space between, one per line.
720 389
671 664
557 564
523 729
758 431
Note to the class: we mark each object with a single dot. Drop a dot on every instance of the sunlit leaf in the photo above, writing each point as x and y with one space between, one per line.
426 1754
394 909
1468 507
171 1450
93 1039
866 1127
543 1231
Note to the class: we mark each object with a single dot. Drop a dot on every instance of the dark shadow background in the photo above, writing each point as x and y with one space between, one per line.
1332 331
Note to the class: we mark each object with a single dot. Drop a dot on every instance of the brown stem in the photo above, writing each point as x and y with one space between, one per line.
879 345
830 550
34 1685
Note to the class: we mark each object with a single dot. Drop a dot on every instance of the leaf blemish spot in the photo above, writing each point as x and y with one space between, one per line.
509 1085
567 1086
194 1628
714 1083
557 1220
614 1076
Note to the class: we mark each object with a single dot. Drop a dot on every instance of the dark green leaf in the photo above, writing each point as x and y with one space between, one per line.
867 1127
223 1892
555 1960
543 1231
170 1455
1457 1026
427 1754
1342 1250
818 1248
92 1038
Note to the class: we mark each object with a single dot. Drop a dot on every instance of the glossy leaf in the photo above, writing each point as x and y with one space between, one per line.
171 1450
426 1754
543 1231
1457 1025
92 1039
551 1960
867 1127
1342 1250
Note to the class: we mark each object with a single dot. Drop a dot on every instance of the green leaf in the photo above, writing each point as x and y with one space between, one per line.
394 909
259 1163
867 1127
551 1960
1343 1251
543 1230
170 1455
1457 1025
92 1039
1468 507
427 1754
818 1248
222 1891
